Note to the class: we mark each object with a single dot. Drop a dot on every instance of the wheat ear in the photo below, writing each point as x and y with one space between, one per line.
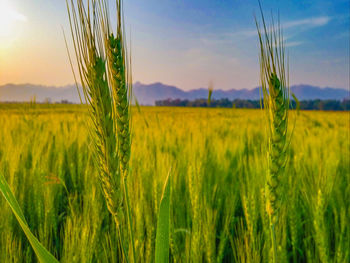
119 74
86 35
276 103
121 85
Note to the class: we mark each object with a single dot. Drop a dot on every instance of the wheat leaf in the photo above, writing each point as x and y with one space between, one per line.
162 239
43 255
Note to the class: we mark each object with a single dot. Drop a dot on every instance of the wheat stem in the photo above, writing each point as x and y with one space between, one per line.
93 76
119 74
106 91
276 103
126 192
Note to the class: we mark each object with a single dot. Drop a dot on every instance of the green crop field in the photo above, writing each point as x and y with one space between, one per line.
217 162
110 181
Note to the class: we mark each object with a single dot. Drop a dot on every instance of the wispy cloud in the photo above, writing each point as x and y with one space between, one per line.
306 23
293 43
309 22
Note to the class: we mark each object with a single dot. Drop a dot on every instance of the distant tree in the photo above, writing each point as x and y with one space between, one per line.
327 105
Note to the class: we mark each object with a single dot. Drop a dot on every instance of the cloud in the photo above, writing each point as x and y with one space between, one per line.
306 23
309 22
293 43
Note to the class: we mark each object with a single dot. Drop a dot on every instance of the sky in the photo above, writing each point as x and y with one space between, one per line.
186 43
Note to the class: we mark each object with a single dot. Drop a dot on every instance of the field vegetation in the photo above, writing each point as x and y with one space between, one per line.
218 165
108 182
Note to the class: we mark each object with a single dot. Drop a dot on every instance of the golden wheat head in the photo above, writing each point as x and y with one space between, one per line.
119 73
90 55
276 103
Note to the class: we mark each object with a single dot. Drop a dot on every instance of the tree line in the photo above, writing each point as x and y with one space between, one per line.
330 105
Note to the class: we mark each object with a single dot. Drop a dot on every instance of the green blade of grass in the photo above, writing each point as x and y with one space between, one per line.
162 239
43 255
297 102
210 93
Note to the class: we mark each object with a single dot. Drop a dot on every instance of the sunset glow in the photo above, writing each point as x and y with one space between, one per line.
183 43
9 17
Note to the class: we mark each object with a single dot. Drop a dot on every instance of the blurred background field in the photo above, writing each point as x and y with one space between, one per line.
218 163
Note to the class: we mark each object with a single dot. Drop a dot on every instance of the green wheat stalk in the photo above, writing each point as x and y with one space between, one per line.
119 74
320 228
276 102
90 56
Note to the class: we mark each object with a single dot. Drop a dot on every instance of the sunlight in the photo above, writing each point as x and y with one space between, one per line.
8 18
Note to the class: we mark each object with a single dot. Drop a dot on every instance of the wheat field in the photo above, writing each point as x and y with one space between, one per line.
218 164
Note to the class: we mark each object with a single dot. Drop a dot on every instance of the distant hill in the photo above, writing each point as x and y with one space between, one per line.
26 92
148 94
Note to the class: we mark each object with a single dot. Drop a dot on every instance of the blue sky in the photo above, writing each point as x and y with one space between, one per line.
190 43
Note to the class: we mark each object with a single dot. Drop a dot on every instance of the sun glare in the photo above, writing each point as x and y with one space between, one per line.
8 18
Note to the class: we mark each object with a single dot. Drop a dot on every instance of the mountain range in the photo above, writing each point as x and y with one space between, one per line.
147 94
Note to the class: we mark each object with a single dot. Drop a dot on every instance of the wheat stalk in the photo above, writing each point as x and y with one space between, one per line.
106 90
88 47
320 228
276 103
119 74
194 186
121 82
105 115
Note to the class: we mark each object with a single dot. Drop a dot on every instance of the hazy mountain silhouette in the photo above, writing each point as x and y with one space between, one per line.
148 94
27 92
